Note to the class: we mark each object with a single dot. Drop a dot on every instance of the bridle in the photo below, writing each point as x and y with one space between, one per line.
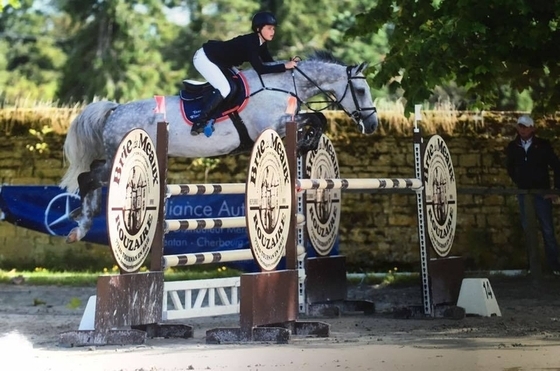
331 101
355 115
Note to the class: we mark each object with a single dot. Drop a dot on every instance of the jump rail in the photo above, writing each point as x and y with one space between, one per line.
182 260
371 183
172 225
205 189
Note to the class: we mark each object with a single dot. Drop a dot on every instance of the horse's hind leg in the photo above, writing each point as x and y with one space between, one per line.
90 193
91 205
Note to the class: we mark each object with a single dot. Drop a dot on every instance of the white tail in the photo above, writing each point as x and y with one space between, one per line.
84 141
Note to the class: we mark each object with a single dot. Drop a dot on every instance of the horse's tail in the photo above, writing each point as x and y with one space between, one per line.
84 141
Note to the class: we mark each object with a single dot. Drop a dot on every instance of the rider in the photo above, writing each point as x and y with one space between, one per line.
217 55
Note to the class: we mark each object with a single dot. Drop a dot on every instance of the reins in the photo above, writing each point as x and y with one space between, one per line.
330 102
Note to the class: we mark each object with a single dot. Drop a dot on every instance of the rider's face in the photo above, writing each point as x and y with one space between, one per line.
267 32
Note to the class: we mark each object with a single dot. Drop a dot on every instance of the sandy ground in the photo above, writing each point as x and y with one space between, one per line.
525 337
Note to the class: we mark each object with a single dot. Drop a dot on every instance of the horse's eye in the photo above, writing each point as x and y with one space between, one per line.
361 91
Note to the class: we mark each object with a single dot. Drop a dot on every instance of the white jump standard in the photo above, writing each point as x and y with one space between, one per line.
137 226
135 299
436 205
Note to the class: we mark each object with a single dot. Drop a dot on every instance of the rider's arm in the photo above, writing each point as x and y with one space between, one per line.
257 62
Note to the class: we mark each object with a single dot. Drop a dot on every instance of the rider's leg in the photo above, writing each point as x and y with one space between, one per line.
206 113
214 75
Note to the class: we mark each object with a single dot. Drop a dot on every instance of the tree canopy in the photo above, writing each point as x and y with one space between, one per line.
79 50
12 3
481 45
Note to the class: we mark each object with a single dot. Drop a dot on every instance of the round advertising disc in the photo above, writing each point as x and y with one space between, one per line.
441 195
322 206
268 200
133 200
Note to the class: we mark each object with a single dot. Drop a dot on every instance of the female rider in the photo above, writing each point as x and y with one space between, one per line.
217 55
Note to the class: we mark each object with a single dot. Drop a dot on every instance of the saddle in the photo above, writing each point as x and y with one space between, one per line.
194 94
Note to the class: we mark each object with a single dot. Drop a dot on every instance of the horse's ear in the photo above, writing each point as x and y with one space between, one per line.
362 67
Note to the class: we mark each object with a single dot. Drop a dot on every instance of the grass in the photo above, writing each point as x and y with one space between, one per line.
42 276
392 278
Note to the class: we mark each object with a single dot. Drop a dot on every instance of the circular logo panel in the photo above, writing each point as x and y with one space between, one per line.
58 213
133 200
322 206
268 200
441 195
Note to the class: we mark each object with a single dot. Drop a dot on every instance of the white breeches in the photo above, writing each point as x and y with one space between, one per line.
211 72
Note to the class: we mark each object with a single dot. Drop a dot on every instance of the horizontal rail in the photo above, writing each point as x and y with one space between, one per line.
367 183
208 223
182 260
172 225
205 189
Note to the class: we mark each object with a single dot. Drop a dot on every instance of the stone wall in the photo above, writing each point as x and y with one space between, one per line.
378 231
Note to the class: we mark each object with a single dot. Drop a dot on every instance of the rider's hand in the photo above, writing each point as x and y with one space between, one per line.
291 64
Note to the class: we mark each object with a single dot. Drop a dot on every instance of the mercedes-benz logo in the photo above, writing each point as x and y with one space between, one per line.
57 213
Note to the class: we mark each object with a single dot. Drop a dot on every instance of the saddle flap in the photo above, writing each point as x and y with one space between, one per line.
192 100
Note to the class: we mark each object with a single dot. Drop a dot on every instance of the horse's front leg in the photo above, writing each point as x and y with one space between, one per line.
310 129
91 204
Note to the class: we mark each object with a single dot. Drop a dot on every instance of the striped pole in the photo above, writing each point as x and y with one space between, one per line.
172 225
366 183
182 260
198 224
205 189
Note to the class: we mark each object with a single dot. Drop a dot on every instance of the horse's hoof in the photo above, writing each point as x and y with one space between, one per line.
73 236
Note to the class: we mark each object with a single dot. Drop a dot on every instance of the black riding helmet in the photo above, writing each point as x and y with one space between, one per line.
262 19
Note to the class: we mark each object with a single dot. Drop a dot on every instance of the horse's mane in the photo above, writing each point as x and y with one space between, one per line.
324 56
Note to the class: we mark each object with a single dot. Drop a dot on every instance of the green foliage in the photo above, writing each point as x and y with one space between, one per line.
12 3
114 52
31 57
40 146
473 54
207 163
76 51
481 45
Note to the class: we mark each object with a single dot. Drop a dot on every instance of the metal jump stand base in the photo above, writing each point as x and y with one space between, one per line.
445 278
128 310
279 333
326 288
268 311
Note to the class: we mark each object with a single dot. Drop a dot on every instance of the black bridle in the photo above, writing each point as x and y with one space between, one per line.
356 115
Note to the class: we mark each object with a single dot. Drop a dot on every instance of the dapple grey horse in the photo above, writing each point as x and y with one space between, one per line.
97 131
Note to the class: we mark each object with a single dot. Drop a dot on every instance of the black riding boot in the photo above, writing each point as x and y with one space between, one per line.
211 104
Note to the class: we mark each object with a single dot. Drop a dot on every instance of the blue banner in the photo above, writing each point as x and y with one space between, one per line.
46 209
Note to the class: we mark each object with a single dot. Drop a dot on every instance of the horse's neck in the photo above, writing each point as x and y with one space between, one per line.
316 77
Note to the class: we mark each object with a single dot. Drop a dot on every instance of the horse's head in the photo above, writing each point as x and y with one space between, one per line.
356 100
328 75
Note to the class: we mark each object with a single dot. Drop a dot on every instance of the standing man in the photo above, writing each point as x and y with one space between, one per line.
529 159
